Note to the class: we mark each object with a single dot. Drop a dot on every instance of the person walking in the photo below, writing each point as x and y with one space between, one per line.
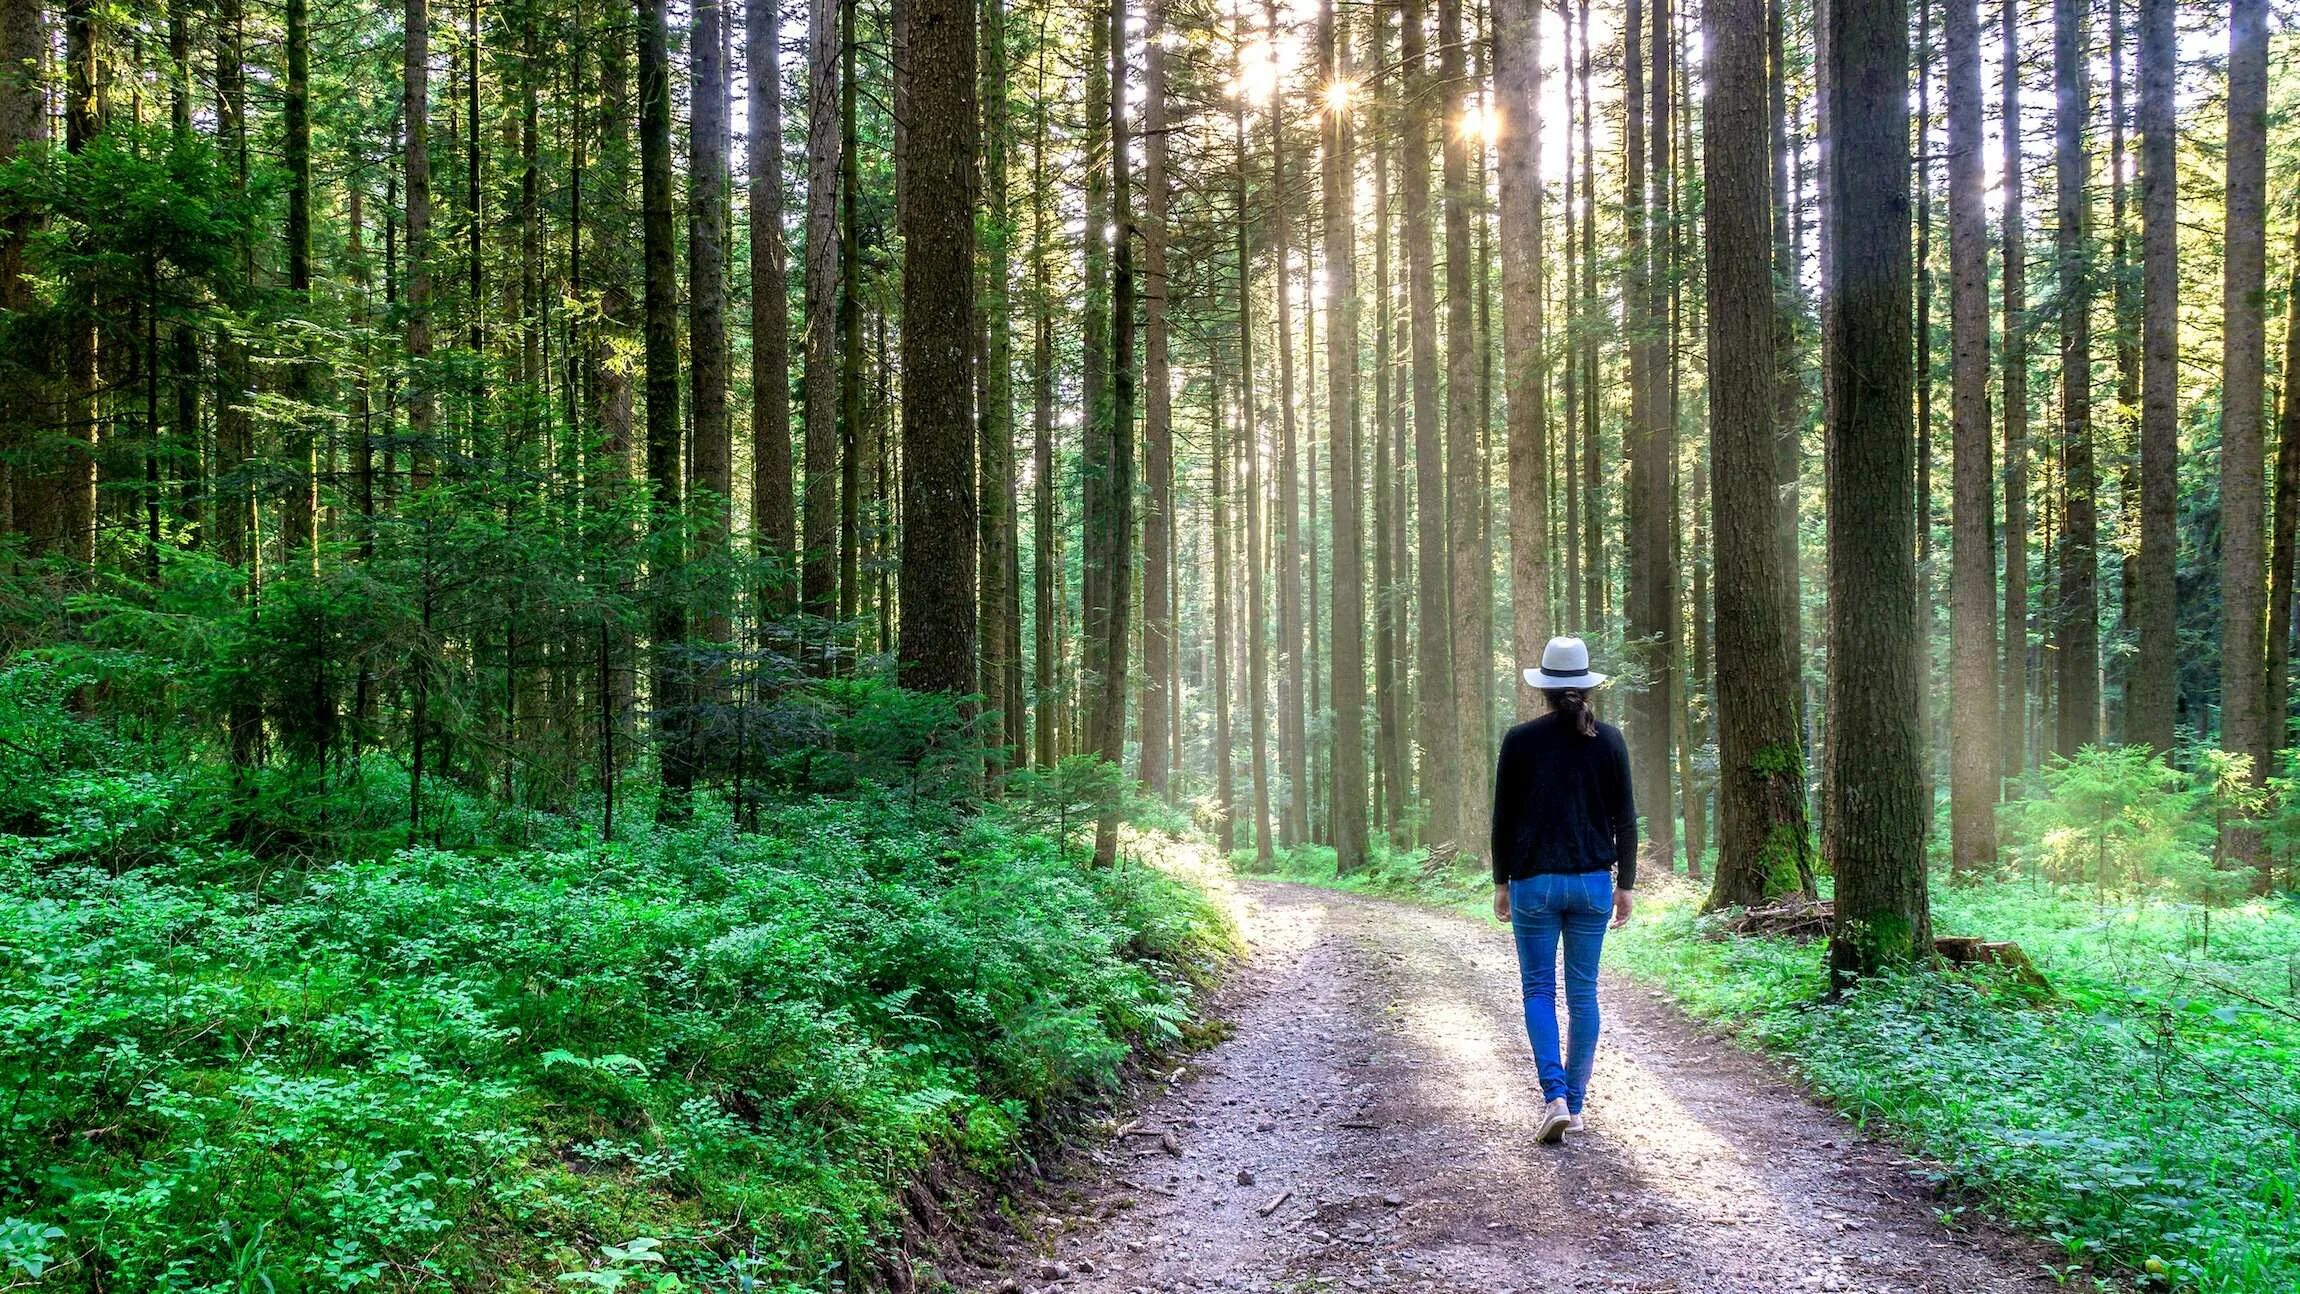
1564 852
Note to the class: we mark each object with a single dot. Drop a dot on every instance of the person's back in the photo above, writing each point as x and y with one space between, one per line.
1561 800
1564 850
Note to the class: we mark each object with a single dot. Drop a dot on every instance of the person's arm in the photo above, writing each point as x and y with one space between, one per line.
1506 800
1624 822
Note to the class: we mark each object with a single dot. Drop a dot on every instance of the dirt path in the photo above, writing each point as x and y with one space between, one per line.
1368 1127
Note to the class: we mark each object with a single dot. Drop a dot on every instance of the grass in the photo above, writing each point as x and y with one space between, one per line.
697 1058
2144 1117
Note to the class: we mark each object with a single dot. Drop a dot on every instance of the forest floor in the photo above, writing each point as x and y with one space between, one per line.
1369 1126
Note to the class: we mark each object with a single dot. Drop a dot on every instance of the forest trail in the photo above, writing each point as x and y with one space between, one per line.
1378 1090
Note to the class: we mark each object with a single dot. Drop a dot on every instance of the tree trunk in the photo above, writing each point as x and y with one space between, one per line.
1652 601
1689 561
299 510
1441 779
1594 577
1393 755
1157 421
64 485
1471 580
2013 369
712 447
1314 695
1092 143
2243 709
2150 696
1764 845
1001 601
1249 446
819 472
28 488
235 507
1876 811
2077 613
1293 725
1047 716
608 211
1218 495
1517 76
668 619
1972 699
2287 522
192 486
937 609
1788 336
863 488
1350 801
774 519
2125 313
1110 481
1922 500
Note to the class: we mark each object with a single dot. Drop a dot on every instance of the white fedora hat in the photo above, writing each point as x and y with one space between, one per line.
1564 664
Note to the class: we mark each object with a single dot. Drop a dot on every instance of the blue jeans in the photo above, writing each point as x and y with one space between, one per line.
1542 910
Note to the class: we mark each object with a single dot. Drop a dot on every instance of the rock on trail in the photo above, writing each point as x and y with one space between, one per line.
1369 1126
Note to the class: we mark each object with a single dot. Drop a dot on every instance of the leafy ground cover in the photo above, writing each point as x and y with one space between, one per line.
2145 1116
697 1057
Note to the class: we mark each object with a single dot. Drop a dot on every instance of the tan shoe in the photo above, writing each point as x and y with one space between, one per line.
1553 1122
1574 1125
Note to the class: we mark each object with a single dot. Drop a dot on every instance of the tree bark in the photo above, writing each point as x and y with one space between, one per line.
1441 777
1972 616
1292 660
1876 811
712 447
668 618
2125 307
1110 481
1218 497
2287 520
1393 755
235 507
1595 589
1652 594
1249 447
1350 800
299 510
2013 366
2077 614
1788 336
1470 578
1764 844
1517 76
28 487
937 610
1157 719
819 496
2150 696
2244 726
774 517
608 211
1047 721
1001 682
67 498
1922 500
863 490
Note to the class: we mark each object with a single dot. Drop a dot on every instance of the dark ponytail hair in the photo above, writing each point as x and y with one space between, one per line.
1574 703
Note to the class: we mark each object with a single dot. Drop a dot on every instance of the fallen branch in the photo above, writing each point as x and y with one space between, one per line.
1798 917
1276 1202
1132 1185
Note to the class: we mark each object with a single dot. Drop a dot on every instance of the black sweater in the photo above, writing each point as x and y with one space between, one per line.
1562 803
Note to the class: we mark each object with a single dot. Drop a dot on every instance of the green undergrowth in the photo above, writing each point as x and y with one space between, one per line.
2143 1117
697 1058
